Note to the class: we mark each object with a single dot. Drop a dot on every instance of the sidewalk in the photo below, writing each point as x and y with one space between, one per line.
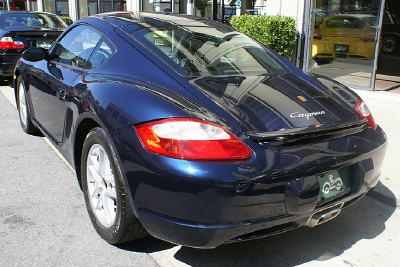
387 83
384 104
358 72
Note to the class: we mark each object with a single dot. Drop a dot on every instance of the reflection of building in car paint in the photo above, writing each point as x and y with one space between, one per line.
116 116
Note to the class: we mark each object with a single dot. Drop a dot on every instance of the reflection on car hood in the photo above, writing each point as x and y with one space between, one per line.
276 102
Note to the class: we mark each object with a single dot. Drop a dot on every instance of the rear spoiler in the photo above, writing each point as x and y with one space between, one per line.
309 134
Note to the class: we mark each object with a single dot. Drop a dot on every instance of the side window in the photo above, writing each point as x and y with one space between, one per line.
101 53
77 48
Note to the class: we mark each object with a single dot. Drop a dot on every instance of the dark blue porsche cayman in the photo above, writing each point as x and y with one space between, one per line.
185 129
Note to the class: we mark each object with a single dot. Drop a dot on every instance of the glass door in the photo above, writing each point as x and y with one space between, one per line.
345 40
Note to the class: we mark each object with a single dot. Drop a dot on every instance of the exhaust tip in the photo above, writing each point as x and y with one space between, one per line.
325 215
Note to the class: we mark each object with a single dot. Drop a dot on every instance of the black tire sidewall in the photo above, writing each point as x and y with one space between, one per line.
114 233
396 40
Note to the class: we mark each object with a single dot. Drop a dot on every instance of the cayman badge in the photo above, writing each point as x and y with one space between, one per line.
306 115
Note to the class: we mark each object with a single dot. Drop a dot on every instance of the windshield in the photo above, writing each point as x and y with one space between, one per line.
32 20
206 51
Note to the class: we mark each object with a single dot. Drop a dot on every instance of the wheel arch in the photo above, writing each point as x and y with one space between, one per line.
82 130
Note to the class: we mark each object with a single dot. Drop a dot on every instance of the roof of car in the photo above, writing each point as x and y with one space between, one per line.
351 16
159 19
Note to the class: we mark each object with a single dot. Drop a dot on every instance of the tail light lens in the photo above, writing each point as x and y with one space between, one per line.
191 139
9 43
317 36
363 110
370 38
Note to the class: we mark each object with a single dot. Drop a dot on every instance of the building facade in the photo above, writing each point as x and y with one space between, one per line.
355 70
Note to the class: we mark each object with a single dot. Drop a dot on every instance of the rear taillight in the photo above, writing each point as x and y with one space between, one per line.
9 43
363 110
370 38
191 139
317 36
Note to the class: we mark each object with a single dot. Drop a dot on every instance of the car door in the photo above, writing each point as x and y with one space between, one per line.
50 89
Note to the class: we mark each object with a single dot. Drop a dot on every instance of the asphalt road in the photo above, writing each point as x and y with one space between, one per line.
43 220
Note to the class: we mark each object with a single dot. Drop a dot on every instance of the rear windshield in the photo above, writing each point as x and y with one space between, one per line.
205 51
32 20
373 21
352 23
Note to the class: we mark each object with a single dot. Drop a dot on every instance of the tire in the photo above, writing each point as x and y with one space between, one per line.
105 192
23 109
390 44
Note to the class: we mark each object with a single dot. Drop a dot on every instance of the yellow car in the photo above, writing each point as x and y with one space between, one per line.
345 36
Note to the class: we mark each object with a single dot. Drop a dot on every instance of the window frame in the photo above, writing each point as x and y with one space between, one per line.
141 36
81 63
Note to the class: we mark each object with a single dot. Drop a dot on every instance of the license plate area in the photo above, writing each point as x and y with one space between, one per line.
46 44
341 48
333 184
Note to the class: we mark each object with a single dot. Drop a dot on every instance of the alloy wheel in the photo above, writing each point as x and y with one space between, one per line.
22 104
389 44
101 186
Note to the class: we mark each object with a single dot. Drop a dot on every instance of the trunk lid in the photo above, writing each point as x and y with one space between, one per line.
346 27
35 37
277 107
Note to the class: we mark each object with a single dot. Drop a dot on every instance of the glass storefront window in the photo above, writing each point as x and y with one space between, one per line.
225 11
49 6
344 41
92 7
34 6
82 9
62 8
176 6
159 5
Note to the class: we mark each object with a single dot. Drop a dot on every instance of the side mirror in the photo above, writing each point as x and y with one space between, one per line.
35 54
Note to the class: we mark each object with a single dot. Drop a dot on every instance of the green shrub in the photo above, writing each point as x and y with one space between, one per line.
201 6
67 20
277 32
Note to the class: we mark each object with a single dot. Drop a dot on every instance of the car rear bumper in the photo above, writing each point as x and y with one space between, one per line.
203 205
301 206
357 49
208 236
